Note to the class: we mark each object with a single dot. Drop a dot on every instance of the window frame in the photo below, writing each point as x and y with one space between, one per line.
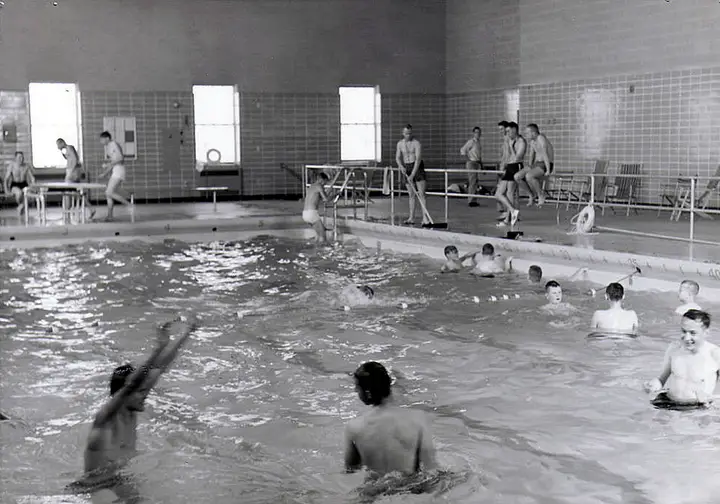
202 158
376 123
45 124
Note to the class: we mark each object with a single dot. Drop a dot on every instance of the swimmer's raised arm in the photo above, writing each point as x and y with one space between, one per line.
146 375
468 256
353 461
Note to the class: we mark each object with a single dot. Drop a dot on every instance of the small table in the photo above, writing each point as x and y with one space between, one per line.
214 191
80 187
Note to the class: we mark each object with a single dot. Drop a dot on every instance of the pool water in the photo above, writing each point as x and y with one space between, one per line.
254 408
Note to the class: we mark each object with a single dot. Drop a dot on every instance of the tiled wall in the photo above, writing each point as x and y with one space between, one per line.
147 177
291 129
670 123
14 110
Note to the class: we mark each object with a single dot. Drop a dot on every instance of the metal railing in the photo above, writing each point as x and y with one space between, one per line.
584 196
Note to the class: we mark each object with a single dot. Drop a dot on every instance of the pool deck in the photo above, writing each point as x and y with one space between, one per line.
549 225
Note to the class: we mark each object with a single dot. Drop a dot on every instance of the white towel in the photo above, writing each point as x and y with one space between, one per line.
387 172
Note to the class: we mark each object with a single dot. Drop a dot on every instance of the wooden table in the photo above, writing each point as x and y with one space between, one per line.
81 188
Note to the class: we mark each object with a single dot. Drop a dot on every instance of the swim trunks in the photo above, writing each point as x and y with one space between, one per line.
19 185
510 171
310 216
118 172
420 175
541 165
663 401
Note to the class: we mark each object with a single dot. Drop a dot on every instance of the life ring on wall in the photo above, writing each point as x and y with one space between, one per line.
210 152
584 221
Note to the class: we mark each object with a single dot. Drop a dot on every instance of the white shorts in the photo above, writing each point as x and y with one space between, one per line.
311 216
118 172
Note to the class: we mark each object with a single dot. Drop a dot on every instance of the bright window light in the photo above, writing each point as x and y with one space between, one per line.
54 113
217 121
360 124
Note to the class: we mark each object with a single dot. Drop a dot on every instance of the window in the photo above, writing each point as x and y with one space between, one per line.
54 113
217 128
360 124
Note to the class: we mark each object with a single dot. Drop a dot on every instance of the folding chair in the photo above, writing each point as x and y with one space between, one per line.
625 188
600 182
676 194
701 202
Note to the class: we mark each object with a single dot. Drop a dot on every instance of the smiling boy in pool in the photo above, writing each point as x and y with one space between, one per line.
453 261
388 438
113 436
691 366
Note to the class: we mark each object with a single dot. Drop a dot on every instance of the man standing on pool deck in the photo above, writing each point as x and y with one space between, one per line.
112 439
512 165
472 150
74 172
116 169
387 438
542 162
409 159
315 194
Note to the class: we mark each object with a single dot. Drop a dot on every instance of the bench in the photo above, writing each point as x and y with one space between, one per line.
214 190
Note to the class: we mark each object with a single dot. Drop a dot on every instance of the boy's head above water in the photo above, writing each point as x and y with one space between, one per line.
614 292
688 290
535 273
488 250
694 328
372 382
452 253
369 293
553 292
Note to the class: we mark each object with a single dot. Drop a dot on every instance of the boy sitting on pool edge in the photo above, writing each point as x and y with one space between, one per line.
690 367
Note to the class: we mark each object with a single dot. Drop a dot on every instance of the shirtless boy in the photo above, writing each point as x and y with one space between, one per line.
408 157
687 293
615 319
388 438
113 436
18 176
690 368
489 263
453 261
513 164
542 159
315 194
73 170
116 169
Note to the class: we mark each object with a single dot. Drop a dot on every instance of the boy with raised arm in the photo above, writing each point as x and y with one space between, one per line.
691 365
388 438
112 438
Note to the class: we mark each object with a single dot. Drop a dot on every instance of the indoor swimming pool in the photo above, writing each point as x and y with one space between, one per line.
523 406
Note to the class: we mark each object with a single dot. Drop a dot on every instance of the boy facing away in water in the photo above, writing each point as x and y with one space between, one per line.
387 438
691 365
315 194
615 319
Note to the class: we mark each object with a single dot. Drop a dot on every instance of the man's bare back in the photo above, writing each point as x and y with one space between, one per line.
388 438
615 320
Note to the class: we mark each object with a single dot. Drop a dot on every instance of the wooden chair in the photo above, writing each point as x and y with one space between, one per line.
701 202
583 181
625 188
676 194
